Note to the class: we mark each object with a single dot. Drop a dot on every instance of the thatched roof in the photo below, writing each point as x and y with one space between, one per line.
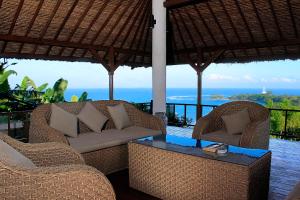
80 30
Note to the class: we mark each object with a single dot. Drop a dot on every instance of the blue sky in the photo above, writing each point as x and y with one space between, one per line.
275 74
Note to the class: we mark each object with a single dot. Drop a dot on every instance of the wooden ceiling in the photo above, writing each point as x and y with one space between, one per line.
94 30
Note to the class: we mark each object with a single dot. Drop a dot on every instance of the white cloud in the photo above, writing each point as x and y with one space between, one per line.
283 80
249 78
220 77
278 80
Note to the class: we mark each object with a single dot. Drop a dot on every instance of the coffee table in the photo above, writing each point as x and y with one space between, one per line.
172 167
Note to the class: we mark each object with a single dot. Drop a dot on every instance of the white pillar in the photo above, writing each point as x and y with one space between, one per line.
159 57
111 85
199 94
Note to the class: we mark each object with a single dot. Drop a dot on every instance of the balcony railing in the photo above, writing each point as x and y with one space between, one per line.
184 115
179 114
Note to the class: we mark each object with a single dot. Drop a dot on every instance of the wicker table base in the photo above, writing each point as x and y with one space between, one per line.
172 175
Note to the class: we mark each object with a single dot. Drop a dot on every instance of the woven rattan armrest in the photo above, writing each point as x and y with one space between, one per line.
46 154
201 127
140 118
61 182
256 135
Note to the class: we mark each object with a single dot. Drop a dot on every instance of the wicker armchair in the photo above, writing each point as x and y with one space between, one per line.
60 174
255 135
106 160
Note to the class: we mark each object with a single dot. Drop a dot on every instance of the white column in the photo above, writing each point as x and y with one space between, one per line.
159 57
111 85
199 94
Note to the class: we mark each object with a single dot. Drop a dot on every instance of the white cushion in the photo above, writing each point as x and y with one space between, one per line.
13 158
93 118
119 116
223 137
237 122
87 142
63 121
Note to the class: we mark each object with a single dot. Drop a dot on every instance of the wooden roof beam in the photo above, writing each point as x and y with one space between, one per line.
14 22
54 10
291 42
79 21
36 41
41 2
66 18
172 4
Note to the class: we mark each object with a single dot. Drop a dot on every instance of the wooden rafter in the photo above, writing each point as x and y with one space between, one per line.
292 17
57 5
237 4
146 40
79 21
32 22
104 24
276 23
140 22
88 29
205 25
261 24
182 40
280 43
131 17
96 56
187 30
66 18
196 28
140 38
173 4
14 22
231 23
36 41
219 26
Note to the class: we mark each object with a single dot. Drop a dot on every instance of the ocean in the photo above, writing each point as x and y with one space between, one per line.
176 95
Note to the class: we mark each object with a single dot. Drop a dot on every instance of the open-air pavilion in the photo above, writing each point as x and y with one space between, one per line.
145 33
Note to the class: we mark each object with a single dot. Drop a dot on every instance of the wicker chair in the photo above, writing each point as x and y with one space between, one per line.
107 160
255 135
60 174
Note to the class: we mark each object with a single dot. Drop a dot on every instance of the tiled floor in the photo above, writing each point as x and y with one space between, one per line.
285 169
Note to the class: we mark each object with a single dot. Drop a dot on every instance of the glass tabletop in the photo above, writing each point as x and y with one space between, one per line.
236 155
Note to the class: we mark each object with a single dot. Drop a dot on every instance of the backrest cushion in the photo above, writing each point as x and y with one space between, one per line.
63 121
11 157
119 116
237 122
92 117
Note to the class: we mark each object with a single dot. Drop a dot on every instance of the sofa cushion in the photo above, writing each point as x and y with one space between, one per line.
223 137
13 158
237 122
119 116
92 141
63 121
93 118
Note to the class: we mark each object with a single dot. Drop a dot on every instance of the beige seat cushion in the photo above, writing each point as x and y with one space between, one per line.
237 122
13 158
93 118
119 116
223 137
92 141
63 121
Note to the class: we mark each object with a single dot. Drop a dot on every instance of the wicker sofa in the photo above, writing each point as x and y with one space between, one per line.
60 173
255 135
109 149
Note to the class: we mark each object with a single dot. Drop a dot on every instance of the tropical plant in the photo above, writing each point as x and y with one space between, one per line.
4 74
56 94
